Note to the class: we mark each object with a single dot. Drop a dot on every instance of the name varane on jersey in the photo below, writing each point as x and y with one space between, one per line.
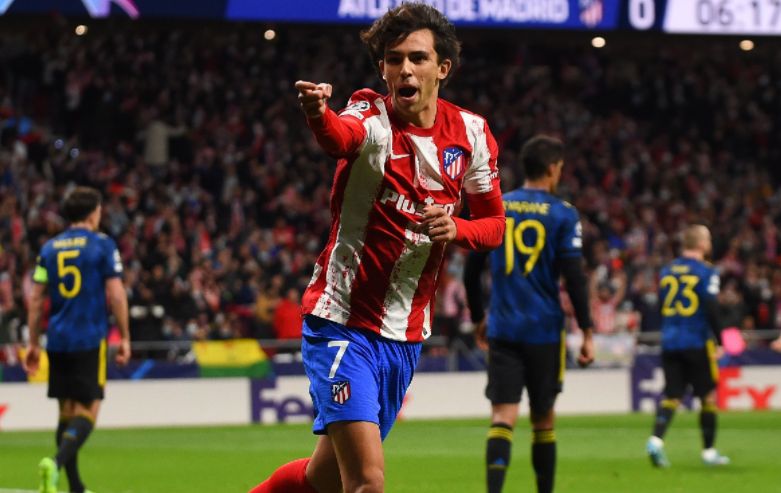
525 304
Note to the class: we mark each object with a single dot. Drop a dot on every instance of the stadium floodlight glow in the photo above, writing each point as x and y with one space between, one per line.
81 30
598 42
746 45
270 34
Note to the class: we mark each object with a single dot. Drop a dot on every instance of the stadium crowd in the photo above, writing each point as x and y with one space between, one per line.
218 197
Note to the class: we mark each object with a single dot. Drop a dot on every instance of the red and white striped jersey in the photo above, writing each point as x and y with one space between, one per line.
379 272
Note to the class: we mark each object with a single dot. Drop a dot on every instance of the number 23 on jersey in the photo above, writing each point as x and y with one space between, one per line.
687 303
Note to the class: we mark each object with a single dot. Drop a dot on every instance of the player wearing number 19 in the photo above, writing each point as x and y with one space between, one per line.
79 269
542 242
688 287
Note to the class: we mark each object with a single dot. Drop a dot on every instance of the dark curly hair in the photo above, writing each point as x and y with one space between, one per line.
394 27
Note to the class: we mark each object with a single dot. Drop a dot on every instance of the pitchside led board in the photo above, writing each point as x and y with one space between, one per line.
746 17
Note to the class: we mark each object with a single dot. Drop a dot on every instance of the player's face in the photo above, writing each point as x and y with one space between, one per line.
412 71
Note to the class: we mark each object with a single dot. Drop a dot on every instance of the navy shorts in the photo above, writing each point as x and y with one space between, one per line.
355 374
513 366
695 367
78 375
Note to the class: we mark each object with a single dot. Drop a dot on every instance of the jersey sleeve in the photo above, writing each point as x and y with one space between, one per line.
711 283
112 261
482 176
345 133
485 229
40 274
570 237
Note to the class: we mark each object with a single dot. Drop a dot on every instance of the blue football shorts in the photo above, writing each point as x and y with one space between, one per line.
355 374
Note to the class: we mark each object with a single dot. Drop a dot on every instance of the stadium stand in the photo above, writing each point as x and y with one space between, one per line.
218 196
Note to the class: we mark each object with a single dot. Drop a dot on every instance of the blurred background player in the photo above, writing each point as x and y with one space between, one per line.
78 269
688 289
404 159
542 242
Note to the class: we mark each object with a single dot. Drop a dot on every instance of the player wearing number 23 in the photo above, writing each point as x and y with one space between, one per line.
688 288
542 243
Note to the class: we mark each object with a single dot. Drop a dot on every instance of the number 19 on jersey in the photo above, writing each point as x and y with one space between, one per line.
528 246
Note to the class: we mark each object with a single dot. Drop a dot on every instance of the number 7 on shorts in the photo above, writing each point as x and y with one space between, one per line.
342 345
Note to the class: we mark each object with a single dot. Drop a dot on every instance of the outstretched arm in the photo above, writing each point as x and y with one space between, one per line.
339 137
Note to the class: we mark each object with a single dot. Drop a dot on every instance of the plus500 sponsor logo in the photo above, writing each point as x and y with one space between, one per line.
403 204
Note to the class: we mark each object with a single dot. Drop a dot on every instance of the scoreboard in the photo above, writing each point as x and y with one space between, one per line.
762 17
725 17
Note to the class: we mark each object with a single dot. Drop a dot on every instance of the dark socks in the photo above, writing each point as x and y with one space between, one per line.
708 426
71 435
544 459
664 416
497 455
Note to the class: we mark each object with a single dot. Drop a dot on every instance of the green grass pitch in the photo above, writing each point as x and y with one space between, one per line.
599 454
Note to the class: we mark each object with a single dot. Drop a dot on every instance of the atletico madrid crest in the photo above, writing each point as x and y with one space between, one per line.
454 162
591 12
340 392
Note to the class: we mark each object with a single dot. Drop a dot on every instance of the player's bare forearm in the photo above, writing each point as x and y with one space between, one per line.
117 297
35 308
586 356
120 311
31 360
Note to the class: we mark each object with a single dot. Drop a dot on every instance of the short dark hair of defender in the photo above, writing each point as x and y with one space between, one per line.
80 203
538 153
394 27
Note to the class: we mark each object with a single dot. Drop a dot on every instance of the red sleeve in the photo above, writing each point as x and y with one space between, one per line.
339 137
485 229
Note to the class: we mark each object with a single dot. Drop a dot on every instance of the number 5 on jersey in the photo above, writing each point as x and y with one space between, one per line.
64 269
514 240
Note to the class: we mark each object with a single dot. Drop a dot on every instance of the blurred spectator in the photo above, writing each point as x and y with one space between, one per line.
733 309
287 316
218 196
607 292
644 296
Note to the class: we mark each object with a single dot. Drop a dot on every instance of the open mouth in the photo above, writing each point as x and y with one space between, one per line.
407 92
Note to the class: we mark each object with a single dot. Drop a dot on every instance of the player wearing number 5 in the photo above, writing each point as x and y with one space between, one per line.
689 287
79 270
542 242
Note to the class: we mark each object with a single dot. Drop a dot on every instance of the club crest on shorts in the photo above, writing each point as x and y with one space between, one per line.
340 392
454 162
